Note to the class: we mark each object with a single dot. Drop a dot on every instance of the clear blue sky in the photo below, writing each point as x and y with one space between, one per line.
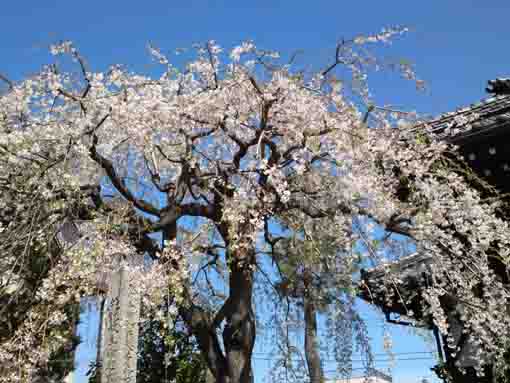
456 45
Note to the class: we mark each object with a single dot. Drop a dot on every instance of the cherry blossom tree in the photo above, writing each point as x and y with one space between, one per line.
243 163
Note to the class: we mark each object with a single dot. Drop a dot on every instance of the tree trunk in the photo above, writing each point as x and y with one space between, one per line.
233 365
313 358
239 331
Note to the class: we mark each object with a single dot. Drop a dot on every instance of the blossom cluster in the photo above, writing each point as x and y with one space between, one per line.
241 151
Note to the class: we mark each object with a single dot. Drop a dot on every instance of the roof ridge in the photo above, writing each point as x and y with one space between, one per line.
471 107
461 120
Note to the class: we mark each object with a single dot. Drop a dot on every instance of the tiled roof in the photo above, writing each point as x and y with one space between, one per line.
472 128
410 264
469 121
499 86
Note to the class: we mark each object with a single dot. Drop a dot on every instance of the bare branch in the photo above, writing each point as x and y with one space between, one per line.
211 61
338 59
9 83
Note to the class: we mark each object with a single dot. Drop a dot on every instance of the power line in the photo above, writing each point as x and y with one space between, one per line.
379 354
365 360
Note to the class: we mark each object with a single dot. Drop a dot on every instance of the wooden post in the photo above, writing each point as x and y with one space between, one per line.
120 314
119 343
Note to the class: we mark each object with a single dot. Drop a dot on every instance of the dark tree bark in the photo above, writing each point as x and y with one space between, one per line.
239 330
232 364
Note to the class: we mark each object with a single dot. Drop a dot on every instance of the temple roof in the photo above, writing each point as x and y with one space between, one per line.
482 132
468 122
408 274
499 86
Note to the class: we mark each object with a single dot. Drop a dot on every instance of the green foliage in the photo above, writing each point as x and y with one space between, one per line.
184 363
422 138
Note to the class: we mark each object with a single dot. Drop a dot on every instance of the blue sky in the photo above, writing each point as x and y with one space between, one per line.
456 46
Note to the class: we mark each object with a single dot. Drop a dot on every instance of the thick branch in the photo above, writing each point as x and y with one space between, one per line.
172 213
119 183
395 224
